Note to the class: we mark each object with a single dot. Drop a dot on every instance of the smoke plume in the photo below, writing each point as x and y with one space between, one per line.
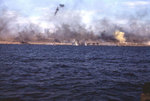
120 36
68 27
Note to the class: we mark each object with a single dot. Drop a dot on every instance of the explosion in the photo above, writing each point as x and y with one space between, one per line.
120 36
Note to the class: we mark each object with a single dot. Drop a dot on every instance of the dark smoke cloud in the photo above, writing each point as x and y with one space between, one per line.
69 27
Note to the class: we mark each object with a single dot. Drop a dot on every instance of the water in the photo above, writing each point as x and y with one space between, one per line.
70 73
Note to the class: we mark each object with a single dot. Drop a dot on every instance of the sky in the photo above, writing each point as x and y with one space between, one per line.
40 11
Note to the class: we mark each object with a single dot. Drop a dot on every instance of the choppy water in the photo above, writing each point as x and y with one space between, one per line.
70 73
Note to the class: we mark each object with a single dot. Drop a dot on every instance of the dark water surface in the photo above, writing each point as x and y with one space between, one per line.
70 73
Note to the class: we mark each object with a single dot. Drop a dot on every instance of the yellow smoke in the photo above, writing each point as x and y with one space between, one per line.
120 36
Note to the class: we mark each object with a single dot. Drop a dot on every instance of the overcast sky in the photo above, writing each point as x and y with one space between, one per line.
90 9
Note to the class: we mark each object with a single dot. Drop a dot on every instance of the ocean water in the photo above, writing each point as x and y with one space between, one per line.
71 73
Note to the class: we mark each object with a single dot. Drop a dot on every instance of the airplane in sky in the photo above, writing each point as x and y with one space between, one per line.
57 9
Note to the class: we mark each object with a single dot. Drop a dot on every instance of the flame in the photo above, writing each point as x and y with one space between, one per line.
120 36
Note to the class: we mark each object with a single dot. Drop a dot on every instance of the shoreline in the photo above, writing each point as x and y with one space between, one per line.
70 44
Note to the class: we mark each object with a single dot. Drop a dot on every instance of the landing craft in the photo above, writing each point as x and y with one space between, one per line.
57 9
